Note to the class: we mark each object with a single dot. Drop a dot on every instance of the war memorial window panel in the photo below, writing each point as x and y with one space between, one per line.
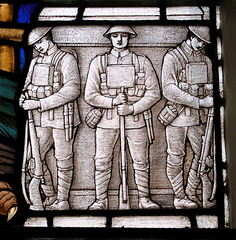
156 188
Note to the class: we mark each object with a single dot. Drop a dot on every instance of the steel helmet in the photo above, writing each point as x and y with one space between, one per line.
202 32
37 33
120 29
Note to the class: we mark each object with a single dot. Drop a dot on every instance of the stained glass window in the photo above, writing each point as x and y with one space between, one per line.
156 157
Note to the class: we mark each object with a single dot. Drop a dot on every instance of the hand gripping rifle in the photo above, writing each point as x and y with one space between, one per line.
37 174
207 195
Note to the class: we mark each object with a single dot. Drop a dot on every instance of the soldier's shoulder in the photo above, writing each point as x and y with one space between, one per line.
139 56
172 53
69 53
102 55
172 50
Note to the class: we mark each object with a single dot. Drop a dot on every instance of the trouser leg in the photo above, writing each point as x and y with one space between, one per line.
139 147
176 137
105 143
139 150
45 143
195 134
65 165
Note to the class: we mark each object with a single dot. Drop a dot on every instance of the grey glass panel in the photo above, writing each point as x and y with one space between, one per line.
187 13
58 14
119 13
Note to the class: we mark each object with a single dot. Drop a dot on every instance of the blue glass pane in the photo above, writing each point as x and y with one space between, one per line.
25 12
22 58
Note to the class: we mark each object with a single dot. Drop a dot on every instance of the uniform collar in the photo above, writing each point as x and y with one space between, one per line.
189 50
122 53
52 50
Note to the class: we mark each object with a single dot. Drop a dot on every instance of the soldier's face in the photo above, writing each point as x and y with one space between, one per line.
119 40
197 44
42 45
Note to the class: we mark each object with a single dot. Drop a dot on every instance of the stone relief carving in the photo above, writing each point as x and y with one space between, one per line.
142 149
187 86
50 96
125 86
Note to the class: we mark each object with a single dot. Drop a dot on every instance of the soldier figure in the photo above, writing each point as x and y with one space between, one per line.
121 67
50 92
187 86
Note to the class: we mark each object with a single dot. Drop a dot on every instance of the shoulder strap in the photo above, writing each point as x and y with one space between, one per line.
103 62
180 50
57 58
142 59
139 60
179 55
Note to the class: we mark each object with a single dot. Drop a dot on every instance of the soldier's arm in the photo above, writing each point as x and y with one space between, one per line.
170 88
70 89
27 82
152 92
209 70
93 94
29 74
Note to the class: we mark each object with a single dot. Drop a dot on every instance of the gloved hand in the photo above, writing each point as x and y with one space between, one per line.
8 202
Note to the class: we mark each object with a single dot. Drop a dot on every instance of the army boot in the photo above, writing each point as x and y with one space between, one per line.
102 179
181 201
184 203
192 185
64 181
144 201
64 184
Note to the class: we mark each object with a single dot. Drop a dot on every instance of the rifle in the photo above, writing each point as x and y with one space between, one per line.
124 202
202 171
24 164
37 175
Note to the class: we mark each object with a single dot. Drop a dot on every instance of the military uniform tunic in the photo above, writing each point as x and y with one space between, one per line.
68 92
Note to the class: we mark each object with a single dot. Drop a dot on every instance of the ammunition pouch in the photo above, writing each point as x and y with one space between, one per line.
93 117
197 90
39 92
